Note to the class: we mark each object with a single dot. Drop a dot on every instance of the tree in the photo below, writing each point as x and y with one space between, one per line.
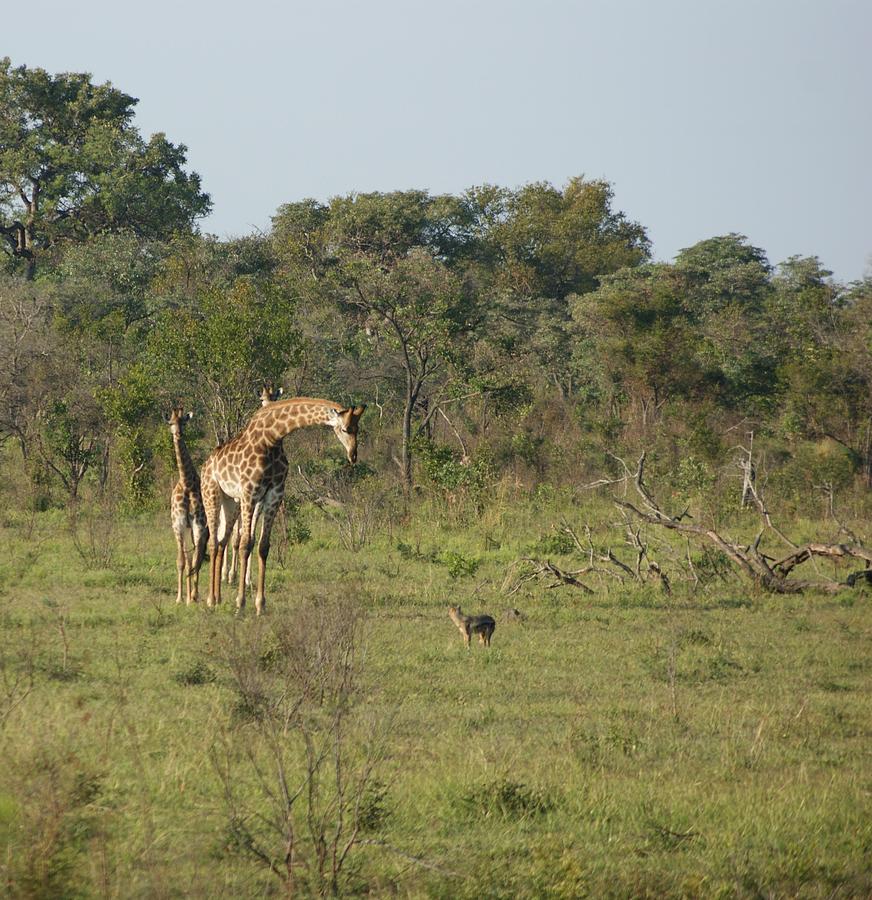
380 258
417 309
535 248
46 395
220 334
69 439
25 346
72 164
554 243
825 368
641 341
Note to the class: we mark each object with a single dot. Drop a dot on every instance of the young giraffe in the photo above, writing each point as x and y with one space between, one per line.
246 475
188 515
268 395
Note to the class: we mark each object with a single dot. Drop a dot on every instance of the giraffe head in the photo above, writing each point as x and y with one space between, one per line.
344 423
177 418
268 394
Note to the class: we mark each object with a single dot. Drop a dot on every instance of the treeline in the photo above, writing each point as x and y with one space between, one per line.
500 331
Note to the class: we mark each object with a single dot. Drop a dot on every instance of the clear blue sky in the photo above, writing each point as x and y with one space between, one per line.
707 117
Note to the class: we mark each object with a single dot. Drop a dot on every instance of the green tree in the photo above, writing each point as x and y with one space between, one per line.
129 404
418 311
825 367
69 439
638 341
217 347
727 284
26 344
536 248
377 259
72 164
554 243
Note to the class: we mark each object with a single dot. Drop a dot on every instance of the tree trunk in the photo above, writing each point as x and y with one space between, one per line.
406 453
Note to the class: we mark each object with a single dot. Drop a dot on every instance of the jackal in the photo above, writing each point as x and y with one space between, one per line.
483 626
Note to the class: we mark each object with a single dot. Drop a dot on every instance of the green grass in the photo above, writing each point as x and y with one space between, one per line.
621 744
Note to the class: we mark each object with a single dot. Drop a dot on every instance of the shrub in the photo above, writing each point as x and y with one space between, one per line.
457 564
198 673
558 543
506 799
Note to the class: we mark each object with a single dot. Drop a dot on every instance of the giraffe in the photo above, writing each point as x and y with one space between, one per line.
246 474
268 395
187 512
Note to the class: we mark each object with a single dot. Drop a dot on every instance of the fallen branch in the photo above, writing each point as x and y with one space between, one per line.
543 568
590 551
834 551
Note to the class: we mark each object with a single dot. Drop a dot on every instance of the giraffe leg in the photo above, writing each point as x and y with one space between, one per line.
180 561
212 524
228 569
201 535
214 574
258 509
270 508
227 524
245 547
225 568
213 508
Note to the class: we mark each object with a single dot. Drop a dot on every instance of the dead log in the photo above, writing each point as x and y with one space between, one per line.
833 551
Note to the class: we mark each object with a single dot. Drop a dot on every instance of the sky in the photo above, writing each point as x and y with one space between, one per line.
707 117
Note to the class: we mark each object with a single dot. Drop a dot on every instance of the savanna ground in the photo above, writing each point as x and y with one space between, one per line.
714 742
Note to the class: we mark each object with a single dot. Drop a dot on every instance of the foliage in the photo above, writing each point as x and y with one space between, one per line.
72 165
458 565
223 344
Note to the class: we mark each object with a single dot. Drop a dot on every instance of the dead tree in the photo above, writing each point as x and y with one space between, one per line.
749 472
645 568
768 573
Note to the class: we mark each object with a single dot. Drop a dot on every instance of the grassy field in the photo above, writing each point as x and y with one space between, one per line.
625 743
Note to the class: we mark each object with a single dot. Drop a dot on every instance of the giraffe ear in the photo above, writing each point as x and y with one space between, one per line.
358 411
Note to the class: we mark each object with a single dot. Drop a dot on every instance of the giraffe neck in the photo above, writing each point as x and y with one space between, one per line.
187 470
272 423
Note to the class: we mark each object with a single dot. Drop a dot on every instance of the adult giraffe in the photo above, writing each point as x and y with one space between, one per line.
268 394
187 513
245 473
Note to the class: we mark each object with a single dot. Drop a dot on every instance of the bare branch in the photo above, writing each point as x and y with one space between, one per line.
750 561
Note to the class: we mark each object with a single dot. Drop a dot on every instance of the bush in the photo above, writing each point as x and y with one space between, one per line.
446 471
198 673
558 543
693 476
506 799
458 565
